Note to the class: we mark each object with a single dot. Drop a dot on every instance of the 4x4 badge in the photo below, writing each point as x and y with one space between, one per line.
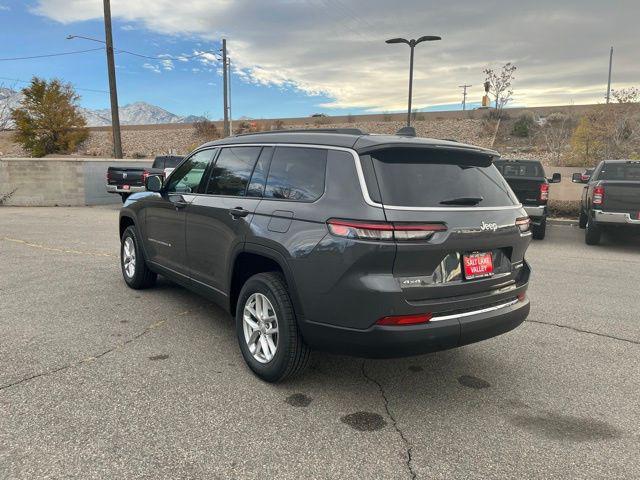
489 226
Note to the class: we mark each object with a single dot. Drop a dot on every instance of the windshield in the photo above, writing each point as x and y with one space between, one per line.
431 178
620 171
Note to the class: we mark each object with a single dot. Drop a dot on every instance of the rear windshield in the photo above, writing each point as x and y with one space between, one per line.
620 171
429 178
519 169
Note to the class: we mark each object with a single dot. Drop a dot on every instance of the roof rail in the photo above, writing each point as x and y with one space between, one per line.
345 131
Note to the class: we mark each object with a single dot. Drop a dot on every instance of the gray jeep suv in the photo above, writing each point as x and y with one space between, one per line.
367 245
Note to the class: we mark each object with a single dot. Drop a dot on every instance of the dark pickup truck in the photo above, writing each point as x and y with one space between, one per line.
526 179
127 180
611 198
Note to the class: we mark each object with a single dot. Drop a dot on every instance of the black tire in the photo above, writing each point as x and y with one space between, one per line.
592 234
539 231
582 220
142 277
124 196
292 354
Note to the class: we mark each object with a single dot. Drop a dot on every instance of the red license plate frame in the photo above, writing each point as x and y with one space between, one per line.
126 187
477 265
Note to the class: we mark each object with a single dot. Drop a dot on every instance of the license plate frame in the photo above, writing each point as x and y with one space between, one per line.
475 265
126 187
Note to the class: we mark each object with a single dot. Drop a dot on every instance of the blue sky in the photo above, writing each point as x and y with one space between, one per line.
189 88
297 57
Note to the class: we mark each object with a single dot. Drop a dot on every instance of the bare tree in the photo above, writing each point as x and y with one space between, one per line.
555 134
500 84
626 95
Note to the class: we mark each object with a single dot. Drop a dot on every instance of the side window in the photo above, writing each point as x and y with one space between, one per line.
259 177
187 178
231 172
297 174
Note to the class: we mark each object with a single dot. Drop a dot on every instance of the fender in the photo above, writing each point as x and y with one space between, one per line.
281 260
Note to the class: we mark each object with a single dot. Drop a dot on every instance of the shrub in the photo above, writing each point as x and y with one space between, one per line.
523 125
206 129
350 119
49 118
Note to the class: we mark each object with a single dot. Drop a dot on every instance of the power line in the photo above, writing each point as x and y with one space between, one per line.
76 88
50 55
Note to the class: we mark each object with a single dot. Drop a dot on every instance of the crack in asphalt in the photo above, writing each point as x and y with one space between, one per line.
56 249
407 444
579 330
85 360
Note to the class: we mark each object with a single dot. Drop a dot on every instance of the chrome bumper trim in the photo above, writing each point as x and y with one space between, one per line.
535 211
115 189
615 217
474 312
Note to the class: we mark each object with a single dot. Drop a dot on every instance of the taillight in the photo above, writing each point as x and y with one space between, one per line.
145 175
108 175
598 195
383 230
400 320
544 192
524 224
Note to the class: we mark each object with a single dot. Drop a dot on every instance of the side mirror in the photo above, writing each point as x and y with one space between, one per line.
578 178
153 183
555 178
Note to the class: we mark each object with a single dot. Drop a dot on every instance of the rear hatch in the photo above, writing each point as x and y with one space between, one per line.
464 193
125 176
621 182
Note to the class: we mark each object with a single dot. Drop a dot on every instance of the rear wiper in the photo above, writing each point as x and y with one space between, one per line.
462 201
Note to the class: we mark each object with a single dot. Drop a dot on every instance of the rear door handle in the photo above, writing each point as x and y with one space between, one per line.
238 212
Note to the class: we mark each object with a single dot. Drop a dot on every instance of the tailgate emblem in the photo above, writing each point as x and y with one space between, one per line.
124 174
489 226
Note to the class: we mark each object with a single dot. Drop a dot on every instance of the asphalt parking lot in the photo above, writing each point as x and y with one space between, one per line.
100 381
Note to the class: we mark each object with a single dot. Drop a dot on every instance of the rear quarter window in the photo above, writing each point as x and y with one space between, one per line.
435 178
297 173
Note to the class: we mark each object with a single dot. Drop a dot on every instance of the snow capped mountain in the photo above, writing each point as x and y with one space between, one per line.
138 113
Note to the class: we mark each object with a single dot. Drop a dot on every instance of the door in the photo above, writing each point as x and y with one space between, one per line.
218 221
165 213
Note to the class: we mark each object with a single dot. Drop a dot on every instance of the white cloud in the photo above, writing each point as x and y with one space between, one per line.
127 28
337 47
153 68
167 64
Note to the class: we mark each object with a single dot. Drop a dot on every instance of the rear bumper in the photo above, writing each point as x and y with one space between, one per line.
441 333
118 189
536 211
617 218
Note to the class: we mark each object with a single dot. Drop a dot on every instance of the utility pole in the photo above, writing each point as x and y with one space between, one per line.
464 95
113 91
230 113
227 130
609 82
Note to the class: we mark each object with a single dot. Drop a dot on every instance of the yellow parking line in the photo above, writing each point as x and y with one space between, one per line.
59 250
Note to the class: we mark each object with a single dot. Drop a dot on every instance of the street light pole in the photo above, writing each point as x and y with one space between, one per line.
225 106
609 81
412 45
113 91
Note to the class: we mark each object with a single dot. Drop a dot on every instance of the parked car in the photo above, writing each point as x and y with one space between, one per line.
368 245
610 198
127 180
527 179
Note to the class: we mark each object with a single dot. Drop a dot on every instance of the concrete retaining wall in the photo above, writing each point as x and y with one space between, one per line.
565 190
81 181
58 181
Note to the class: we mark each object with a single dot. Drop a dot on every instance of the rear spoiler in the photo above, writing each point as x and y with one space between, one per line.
451 153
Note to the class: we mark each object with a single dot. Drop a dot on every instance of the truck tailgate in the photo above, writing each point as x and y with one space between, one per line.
621 196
